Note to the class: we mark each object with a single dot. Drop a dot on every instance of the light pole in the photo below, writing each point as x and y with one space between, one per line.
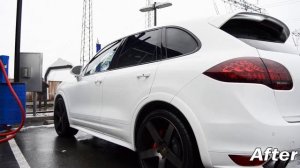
18 41
154 7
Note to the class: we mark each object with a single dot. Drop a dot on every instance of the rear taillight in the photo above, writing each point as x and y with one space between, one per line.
245 160
252 70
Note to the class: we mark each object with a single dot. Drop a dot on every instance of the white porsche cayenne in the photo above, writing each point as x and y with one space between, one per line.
204 93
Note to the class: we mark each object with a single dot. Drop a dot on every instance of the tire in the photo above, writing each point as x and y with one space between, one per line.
61 121
163 141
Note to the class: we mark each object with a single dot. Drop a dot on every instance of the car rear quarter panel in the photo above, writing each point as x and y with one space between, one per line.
217 46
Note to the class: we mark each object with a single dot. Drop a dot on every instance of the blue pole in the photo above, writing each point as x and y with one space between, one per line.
98 46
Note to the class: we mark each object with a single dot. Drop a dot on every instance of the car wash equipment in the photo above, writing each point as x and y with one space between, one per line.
12 101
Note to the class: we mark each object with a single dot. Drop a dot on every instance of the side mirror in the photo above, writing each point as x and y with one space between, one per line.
76 71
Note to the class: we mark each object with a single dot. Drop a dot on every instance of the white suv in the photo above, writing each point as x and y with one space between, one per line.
204 93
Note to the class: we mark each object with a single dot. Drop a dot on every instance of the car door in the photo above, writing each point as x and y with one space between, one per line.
129 81
86 95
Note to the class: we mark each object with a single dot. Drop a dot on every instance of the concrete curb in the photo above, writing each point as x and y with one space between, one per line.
39 118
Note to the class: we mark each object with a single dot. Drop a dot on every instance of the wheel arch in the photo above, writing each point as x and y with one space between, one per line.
153 105
58 95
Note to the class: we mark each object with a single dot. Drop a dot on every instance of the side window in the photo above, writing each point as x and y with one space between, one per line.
139 49
103 61
179 42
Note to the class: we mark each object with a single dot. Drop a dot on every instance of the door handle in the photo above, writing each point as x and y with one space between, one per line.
98 82
147 75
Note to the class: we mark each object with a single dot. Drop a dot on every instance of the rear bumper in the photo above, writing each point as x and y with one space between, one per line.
237 119
243 139
269 164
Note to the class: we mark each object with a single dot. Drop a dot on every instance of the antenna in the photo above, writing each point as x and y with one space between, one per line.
87 47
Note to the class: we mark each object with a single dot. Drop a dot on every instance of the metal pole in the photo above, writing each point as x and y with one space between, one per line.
34 104
155 14
296 45
18 41
45 100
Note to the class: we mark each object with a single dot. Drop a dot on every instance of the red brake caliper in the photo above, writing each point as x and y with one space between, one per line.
161 133
154 146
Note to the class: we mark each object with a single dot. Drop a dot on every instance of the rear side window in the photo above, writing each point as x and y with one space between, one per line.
257 27
179 42
139 49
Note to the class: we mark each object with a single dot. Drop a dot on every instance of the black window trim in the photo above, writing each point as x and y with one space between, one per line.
159 55
124 39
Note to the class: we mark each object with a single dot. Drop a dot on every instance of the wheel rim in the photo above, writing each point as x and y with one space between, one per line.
59 116
160 144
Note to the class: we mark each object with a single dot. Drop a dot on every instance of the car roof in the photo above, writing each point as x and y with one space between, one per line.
216 21
213 20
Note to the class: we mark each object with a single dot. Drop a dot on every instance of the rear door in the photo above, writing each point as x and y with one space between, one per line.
129 81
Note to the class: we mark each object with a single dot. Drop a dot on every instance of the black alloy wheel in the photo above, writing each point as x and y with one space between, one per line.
164 142
61 122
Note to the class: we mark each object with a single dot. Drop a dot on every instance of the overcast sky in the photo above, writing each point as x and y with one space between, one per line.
53 27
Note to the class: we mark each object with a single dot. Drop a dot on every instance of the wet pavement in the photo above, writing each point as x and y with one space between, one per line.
43 148
7 157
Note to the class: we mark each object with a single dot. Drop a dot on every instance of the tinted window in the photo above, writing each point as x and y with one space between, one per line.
248 29
139 49
102 61
179 42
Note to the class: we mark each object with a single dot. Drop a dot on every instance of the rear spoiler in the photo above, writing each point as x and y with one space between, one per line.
220 21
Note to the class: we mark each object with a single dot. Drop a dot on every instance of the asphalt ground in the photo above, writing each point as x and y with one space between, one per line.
7 158
42 148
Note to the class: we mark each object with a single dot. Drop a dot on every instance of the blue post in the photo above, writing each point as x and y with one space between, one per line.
4 60
98 46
